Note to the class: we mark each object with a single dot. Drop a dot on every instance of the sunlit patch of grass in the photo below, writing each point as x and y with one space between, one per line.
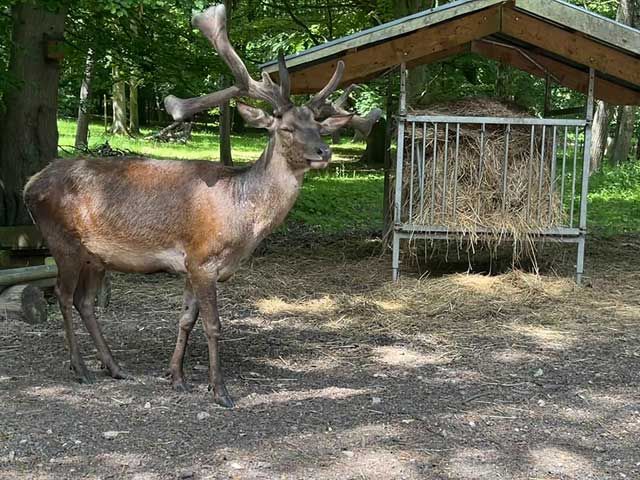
614 199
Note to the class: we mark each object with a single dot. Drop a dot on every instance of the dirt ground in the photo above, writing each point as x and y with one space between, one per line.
339 374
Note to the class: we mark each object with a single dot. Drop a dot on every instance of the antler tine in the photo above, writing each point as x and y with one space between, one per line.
339 103
213 24
181 109
285 81
319 98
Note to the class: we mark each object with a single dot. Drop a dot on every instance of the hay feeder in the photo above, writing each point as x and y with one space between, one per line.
491 178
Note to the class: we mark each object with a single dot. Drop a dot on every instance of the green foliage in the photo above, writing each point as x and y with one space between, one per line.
614 199
337 202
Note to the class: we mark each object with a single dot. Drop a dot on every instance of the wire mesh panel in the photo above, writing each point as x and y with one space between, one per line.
507 176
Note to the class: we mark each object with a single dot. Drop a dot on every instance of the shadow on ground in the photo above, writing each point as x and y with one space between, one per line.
340 374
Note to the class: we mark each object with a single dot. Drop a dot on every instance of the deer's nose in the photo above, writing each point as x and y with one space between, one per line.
325 152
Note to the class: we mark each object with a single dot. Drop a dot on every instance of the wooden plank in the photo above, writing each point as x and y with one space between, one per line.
431 42
581 20
570 45
566 75
13 276
385 32
21 237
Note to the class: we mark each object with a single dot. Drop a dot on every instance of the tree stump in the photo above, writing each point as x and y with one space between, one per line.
23 303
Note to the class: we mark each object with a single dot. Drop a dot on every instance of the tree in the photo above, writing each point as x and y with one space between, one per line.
134 119
28 129
119 125
82 127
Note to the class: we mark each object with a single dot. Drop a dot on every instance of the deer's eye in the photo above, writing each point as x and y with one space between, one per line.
286 129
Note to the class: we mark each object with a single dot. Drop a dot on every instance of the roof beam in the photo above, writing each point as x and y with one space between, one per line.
586 22
428 44
566 75
570 45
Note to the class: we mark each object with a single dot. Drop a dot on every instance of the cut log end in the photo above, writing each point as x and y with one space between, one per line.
23 303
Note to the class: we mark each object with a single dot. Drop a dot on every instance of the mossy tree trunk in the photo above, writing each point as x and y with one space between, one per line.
28 129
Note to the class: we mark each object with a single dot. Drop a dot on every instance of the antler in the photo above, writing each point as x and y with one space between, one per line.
323 109
213 24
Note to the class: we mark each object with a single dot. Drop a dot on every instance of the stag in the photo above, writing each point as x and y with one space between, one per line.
198 218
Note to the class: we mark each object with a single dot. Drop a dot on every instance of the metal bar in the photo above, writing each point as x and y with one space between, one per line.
413 142
423 161
395 259
481 167
558 231
553 172
505 166
580 260
573 177
444 173
455 174
533 133
541 170
461 234
433 173
399 160
587 153
564 165
560 122
586 164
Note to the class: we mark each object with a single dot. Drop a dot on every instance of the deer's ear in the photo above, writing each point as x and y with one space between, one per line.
255 117
333 123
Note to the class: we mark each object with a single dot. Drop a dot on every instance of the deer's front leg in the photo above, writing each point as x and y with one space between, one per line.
204 286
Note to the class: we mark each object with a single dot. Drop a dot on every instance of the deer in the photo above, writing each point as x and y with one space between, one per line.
196 218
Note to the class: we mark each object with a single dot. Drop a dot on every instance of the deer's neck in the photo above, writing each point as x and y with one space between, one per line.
267 191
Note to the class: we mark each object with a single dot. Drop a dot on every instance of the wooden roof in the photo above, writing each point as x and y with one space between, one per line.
542 37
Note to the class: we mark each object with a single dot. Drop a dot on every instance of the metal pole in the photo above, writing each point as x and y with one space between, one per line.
399 160
585 179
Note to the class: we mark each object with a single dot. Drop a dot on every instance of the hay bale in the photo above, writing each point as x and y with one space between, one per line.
473 194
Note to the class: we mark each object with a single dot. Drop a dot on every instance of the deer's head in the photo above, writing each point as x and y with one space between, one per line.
298 129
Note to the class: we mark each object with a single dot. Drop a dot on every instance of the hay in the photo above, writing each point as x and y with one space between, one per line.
477 197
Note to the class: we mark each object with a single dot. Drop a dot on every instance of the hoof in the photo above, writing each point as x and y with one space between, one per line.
83 375
115 371
120 374
181 386
222 397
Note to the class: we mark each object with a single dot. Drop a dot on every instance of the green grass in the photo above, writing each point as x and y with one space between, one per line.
341 198
331 200
614 199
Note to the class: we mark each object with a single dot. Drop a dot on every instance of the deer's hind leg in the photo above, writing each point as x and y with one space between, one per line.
190 310
66 250
84 299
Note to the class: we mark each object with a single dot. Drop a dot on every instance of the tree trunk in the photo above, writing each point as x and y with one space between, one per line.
225 134
622 146
601 121
628 11
119 125
134 119
82 128
28 129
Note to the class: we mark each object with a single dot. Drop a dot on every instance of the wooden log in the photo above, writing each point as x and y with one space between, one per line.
23 303
13 276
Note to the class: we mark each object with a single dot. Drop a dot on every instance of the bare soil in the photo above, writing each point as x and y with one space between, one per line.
339 374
